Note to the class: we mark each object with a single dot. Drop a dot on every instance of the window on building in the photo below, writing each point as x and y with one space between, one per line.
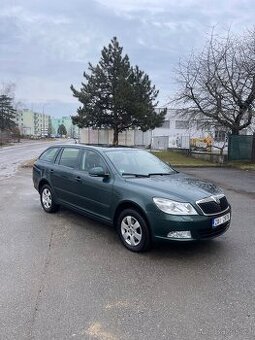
166 124
181 124
220 136
203 124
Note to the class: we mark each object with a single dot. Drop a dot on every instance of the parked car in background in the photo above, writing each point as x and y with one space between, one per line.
142 197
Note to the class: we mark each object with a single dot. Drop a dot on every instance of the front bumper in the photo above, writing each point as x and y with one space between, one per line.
200 226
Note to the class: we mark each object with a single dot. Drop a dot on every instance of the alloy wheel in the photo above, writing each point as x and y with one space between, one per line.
131 231
46 198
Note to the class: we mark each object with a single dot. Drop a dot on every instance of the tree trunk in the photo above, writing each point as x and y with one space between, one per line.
235 132
115 137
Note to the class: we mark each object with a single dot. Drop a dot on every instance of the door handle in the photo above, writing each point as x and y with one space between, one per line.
51 170
78 178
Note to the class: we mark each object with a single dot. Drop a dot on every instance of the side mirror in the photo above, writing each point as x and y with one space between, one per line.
98 172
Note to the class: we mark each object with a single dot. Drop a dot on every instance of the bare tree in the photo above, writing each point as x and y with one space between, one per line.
219 82
8 89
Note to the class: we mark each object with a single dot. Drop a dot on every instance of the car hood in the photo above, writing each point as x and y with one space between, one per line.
176 186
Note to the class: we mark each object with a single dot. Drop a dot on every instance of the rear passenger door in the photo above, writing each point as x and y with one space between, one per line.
63 176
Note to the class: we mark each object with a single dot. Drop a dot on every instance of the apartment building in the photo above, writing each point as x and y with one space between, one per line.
32 123
41 124
72 130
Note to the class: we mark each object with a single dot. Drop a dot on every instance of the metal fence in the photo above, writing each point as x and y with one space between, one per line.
167 142
160 143
241 147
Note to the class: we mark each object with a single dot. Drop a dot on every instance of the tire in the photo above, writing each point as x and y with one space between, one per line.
47 201
133 231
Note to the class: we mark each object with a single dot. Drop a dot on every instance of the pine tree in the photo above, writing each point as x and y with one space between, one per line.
7 113
116 95
62 130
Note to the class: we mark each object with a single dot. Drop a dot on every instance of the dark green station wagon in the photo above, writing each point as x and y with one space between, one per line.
131 189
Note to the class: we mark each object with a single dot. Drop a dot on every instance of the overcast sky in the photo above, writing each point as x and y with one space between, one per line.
45 45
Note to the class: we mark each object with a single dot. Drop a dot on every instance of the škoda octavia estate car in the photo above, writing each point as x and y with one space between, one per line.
131 189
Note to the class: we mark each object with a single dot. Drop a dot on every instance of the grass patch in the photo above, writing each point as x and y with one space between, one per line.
179 159
243 165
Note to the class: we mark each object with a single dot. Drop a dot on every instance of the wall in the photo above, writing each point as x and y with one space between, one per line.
105 137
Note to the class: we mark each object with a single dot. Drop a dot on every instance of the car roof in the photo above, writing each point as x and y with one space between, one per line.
96 147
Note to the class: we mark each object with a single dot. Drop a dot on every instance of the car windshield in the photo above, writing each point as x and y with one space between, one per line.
138 163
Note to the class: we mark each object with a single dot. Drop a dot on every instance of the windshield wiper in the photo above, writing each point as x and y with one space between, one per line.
148 175
160 173
135 175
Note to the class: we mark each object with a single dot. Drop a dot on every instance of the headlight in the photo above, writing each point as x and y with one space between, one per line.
174 208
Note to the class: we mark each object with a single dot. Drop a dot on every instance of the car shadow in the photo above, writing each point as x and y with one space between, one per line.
174 250
189 248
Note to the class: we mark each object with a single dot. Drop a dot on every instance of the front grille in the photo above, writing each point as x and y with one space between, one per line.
210 207
211 232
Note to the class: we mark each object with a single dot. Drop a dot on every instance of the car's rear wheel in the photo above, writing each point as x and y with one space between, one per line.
133 230
47 200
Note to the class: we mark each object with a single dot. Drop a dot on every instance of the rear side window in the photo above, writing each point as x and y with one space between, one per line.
49 155
69 157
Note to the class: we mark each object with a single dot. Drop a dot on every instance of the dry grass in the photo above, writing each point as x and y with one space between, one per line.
243 165
28 164
179 159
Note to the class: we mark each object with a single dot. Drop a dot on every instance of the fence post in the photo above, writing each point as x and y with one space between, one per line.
229 147
253 148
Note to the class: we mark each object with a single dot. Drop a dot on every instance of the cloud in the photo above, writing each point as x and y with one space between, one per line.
46 45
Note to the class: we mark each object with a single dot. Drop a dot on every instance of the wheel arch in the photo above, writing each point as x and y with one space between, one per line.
42 183
130 205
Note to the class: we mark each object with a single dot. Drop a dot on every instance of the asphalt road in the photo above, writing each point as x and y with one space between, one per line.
63 276
12 156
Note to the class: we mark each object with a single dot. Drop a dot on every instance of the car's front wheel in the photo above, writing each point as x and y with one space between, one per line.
133 230
47 200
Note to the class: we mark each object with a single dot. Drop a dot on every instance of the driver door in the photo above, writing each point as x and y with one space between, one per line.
95 193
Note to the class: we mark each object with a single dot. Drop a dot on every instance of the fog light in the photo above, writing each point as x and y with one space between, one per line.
179 234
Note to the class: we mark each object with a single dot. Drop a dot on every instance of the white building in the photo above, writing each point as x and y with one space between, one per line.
32 123
177 132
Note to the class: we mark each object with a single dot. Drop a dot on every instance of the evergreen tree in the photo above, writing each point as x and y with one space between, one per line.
7 113
116 95
62 130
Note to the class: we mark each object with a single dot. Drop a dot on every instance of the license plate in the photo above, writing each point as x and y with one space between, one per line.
220 220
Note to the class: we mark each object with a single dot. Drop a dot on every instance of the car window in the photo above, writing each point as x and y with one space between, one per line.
69 157
49 155
90 160
137 162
